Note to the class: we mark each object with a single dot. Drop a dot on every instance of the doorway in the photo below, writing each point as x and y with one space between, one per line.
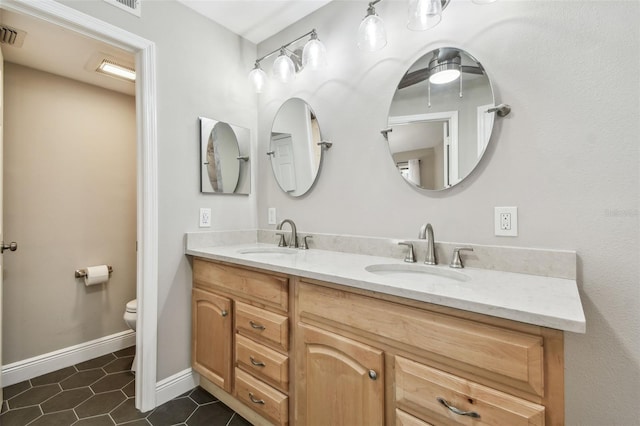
146 164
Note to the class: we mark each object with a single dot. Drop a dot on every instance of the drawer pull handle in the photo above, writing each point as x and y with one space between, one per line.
224 313
254 400
256 363
457 410
373 375
256 325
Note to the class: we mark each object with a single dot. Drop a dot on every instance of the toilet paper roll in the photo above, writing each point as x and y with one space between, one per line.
96 275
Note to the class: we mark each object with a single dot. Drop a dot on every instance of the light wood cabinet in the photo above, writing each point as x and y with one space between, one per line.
364 358
211 337
241 339
444 366
339 381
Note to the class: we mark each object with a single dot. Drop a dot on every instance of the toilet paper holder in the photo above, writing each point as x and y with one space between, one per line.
81 273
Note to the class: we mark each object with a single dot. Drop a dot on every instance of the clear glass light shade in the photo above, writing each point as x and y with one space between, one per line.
444 76
258 79
424 14
283 69
314 55
371 34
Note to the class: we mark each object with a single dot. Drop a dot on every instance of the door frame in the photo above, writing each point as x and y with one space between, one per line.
147 173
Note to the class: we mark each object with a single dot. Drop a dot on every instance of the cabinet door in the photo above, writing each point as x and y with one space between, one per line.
341 381
211 337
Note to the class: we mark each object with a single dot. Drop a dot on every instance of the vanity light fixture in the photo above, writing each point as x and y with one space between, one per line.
371 34
288 63
425 14
422 15
116 70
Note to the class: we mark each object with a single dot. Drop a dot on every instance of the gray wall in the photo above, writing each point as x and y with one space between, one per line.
567 156
201 71
69 202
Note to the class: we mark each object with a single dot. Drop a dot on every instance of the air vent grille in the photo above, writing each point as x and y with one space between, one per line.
131 6
11 36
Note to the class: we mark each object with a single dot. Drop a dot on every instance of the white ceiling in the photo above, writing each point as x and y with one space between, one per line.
53 49
255 20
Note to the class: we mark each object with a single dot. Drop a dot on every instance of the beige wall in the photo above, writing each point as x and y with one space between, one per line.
69 202
567 156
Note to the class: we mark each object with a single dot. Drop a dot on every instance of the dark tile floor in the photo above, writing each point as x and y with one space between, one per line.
100 392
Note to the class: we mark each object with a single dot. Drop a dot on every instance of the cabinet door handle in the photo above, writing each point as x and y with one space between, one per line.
256 363
257 326
224 313
373 375
254 400
457 410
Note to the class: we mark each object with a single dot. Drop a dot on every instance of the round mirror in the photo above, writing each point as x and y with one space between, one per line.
295 150
440 120
221 166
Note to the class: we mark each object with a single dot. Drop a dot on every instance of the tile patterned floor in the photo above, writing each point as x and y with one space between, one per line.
100 392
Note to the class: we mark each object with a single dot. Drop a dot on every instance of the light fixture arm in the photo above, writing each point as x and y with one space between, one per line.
311 33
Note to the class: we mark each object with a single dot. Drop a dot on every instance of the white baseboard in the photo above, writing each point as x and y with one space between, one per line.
176 385
19 371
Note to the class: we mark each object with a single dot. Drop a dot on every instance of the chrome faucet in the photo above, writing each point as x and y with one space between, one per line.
293 241
426 232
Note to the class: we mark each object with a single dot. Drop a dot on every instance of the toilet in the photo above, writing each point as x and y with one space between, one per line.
130 317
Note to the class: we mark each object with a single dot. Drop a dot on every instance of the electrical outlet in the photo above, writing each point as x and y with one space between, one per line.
506 221
271 216
205 218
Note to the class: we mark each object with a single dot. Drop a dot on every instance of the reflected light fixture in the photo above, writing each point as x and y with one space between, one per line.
116 70
288 63
443 72
371 34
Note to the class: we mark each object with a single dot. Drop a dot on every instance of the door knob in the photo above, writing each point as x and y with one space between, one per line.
13 246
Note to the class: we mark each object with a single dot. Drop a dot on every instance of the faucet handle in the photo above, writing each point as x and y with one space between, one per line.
456 261
411 257
282 242
305 245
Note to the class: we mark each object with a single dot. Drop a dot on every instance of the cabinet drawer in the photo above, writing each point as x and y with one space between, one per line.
262 398
406 419
265 289
423 391
263 326
504 356
262 362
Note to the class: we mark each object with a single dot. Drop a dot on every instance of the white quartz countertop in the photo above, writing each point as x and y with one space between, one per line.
543 301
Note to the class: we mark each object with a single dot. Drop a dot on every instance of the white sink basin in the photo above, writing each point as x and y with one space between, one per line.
268 250
417 272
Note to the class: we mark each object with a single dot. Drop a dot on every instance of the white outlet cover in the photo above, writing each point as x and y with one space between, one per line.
513 212
205 218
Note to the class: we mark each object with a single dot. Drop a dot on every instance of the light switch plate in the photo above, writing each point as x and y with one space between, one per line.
506 221
205 218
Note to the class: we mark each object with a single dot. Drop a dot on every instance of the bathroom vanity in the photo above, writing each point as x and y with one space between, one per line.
312 338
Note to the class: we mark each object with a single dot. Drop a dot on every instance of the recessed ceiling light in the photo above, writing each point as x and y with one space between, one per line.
113 69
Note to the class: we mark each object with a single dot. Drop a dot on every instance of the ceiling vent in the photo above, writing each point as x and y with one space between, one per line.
131 6
11 36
